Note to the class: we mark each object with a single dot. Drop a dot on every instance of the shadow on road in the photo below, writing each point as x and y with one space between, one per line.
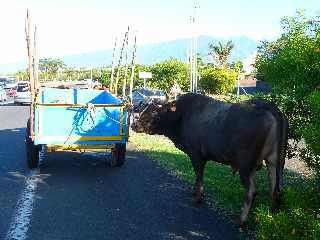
12 151
12 173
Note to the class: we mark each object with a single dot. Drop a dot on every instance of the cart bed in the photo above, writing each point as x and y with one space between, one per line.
79 116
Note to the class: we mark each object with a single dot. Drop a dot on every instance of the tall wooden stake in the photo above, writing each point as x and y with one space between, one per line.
132 66
35 62
126 69
113 63
120 61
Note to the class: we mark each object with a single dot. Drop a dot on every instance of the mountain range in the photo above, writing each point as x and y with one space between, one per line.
151 53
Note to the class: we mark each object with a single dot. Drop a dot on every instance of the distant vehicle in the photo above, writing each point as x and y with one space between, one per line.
142 96
11 88
23 95
3 95
11 92
81 86
2 83
11 84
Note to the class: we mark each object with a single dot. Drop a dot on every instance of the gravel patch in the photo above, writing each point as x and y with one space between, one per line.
294 162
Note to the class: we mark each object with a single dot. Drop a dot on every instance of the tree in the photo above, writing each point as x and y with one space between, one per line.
69 73
165 73
50 66
292 62
237 66
221 53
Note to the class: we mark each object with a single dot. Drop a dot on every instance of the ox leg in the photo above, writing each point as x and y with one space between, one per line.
274 186
248 180
198 166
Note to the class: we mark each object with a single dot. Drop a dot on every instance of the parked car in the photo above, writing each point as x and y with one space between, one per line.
11 91
142 96
3 95
23 95
11 83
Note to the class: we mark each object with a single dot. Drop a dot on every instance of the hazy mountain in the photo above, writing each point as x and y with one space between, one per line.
151 53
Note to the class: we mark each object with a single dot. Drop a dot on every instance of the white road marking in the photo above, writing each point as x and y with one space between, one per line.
21 219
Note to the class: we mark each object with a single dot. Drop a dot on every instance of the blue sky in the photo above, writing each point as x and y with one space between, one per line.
74 26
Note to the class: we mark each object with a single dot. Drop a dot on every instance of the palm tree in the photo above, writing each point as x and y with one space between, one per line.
221 52
21 75
69 72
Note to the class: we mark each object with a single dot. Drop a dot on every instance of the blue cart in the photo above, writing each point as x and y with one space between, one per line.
76 119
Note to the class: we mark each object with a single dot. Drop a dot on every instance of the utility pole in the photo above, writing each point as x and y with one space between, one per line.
191 59
193 52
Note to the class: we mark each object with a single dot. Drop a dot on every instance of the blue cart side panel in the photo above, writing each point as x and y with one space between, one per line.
76 96
61 124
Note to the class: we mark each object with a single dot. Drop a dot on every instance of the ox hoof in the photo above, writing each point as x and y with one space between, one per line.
197 198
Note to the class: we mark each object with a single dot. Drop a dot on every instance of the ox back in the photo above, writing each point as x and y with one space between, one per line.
241 135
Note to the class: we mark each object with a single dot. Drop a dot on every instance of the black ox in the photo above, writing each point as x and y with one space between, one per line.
241 135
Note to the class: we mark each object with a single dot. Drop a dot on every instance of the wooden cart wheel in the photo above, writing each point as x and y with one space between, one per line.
31 150
118 155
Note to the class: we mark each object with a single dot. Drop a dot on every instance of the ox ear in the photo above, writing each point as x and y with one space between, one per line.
171 106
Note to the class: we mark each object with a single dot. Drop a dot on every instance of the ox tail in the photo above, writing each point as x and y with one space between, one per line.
282 125
282 138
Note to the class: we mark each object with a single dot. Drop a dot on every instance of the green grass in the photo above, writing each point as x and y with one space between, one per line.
221 187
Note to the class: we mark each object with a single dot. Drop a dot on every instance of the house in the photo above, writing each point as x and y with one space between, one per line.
250 85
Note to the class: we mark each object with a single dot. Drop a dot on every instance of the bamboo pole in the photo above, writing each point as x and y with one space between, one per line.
113 63
126 69
120 61
133 66
30 70
35 62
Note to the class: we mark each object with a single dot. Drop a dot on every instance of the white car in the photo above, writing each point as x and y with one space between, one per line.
3 95
23 95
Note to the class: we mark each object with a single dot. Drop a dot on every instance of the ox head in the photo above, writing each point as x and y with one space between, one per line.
149 120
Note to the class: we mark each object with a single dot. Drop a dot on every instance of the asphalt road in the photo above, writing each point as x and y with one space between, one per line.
78 196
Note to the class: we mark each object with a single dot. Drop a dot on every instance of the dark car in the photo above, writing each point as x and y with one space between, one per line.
142 96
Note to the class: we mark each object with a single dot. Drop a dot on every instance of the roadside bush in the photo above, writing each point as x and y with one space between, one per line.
299 218
313 102
217 81
105 77
312 132
298 115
